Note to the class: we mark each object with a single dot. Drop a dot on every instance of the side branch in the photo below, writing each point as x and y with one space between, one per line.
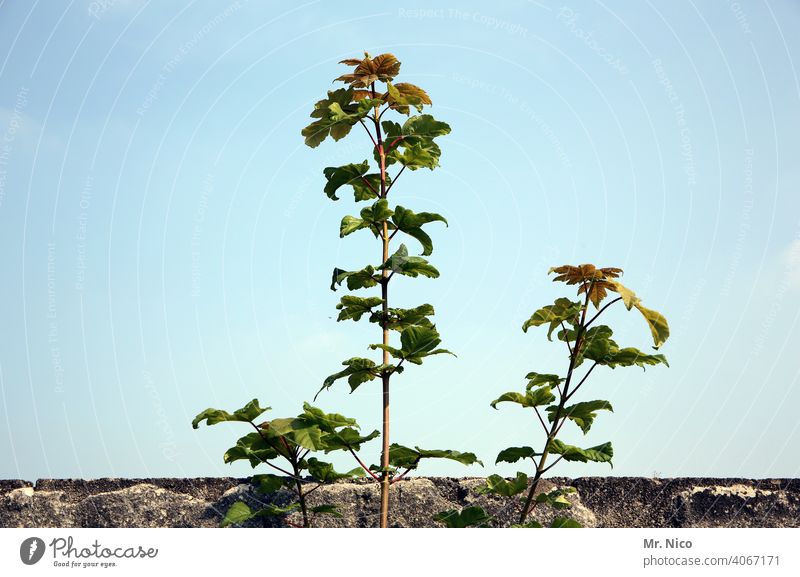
363 466
591 320
361 121
391 184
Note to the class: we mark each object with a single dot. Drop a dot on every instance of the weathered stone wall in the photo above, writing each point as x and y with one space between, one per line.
201 502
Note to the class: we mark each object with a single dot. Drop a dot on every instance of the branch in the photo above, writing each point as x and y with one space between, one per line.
361 120
391 184
589 372
586 326
540 419
551 465
307 493
396 479
372 188
566 340
363 466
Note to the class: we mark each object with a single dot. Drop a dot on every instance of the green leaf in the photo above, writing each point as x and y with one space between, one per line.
268 483
657 323
539 380
563 310
412 144
472 516
399 319
412 266
600 347
364 278
630 356
352 307
565 523
335 116
582 414
556 498
298 432
377 213
327 422
514 454
277 511
351 224
246 414
237 513
599 454
532 398
410 223
402 96
325 473
596 344
420 341
497 485
354 112
338 176
372 217
331 510
358 371
252 447
346 439
532 524
407 458
417 342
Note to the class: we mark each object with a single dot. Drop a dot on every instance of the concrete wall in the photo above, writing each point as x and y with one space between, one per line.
201 502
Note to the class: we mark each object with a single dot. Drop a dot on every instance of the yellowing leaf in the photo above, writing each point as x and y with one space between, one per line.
657 323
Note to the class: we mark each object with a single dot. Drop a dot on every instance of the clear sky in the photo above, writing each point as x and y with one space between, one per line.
166 244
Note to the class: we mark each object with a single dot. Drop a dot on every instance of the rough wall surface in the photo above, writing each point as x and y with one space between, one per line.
201 502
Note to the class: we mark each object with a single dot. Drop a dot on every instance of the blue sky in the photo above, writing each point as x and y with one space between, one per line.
167 245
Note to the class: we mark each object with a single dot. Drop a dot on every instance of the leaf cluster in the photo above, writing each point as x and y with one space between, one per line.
289 441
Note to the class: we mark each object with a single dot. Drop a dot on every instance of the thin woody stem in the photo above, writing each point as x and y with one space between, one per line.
600 311
368 132
363 466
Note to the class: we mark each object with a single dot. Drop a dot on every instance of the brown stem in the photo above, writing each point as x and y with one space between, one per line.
363 466
538 414
300 495
368 132
391 184
601 310
369 184
586 376
404 473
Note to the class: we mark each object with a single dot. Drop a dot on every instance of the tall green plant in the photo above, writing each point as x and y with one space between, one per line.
550 395
370 93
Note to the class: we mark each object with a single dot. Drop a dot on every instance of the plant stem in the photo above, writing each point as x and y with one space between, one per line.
385 376
591 320
529 504
300 495
363 466
404 473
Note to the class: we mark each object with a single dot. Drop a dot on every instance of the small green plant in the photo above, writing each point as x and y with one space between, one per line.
550 395
290 440
369 95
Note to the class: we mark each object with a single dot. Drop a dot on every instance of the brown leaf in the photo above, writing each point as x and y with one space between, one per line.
592 279
382 68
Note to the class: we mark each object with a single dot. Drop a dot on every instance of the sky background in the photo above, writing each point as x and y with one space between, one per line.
166 244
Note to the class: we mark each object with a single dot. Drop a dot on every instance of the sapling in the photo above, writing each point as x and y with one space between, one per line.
369 96
289 441
548 395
